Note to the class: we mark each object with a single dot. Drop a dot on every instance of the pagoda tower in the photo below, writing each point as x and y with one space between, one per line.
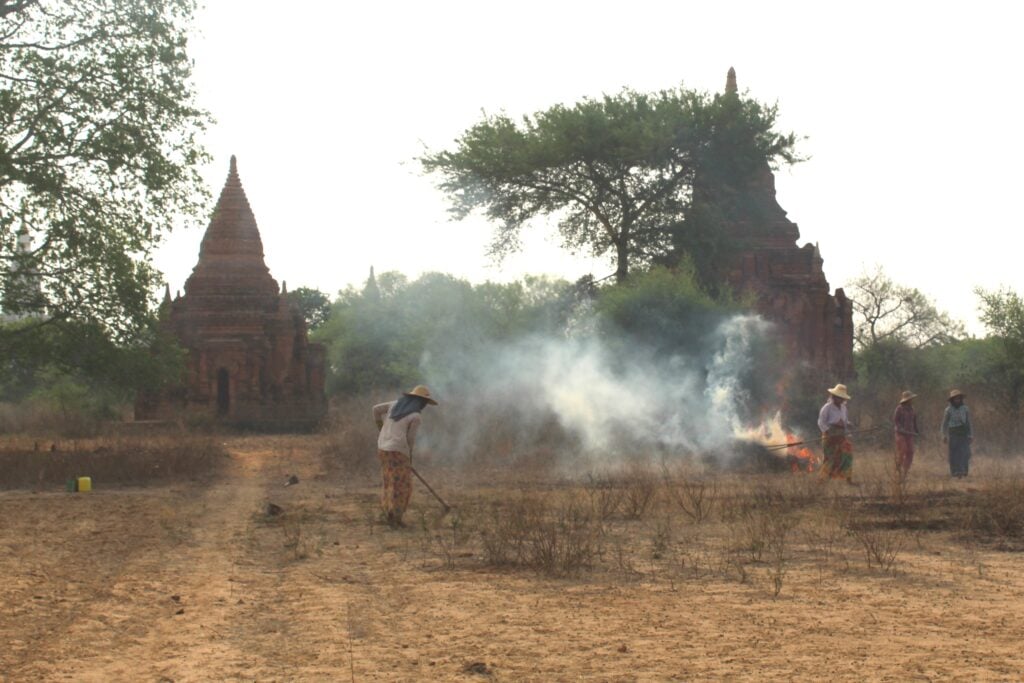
788 281
762 259
249 359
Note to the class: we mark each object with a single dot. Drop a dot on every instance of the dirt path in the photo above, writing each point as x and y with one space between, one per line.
198 584
157 584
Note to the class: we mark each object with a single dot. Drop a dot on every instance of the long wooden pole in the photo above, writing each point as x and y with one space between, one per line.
440 500
780 446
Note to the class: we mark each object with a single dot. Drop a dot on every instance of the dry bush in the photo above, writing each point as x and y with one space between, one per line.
996 510
778 526
604 494
448 536
302 538
881 546
135 459
694 497
761 528
639 486
351 437
503 533
825 529
557 538
303 529
899 486
622 559
696 557
662 536
802 490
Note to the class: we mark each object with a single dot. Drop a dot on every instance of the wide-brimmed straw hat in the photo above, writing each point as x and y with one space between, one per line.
907 396
421 391
840 391
956 392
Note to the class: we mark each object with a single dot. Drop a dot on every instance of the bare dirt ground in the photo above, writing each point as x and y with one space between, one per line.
183 583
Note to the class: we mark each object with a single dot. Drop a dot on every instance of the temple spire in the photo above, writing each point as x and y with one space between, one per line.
371 291
730 83
167 293
231 253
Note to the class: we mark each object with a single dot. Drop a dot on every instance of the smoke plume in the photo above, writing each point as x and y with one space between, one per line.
602 395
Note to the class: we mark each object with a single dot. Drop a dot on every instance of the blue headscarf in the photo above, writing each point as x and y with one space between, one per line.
407 405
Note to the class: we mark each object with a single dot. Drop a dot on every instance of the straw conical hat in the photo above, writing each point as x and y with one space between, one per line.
421 391
840 391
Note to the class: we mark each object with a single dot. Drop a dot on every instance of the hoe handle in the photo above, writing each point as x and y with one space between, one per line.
440 500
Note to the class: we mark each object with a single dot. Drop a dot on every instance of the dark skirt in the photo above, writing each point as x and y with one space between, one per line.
959 454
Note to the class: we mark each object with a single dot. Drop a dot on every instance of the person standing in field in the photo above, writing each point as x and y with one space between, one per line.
835 425
397 423
957 432
904 422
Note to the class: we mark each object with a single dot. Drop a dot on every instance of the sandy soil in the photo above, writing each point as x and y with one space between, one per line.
197 583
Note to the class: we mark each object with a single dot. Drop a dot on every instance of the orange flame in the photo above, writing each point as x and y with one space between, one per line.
801 459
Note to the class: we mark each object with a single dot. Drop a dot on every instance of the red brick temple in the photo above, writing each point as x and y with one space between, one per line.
249 362
788 282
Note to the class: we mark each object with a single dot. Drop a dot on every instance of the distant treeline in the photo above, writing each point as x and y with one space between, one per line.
382 334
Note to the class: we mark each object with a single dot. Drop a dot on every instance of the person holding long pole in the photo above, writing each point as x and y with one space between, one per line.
905 425
835 426
397 422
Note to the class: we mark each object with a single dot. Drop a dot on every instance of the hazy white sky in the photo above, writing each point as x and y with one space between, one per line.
910 113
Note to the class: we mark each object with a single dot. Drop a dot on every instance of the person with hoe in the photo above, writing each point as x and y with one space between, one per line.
397 423
834 425
957 432
905 424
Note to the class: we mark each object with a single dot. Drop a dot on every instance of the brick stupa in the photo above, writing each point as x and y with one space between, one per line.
787 281
249 361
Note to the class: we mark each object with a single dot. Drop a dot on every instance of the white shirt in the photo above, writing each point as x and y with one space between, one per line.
832 414
396 435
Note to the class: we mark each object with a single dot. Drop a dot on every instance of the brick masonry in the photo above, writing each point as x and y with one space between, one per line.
249 359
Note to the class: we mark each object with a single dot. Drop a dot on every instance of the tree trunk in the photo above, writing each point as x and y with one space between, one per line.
621 261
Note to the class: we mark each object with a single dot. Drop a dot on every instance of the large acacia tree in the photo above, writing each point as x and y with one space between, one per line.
98 156
617 172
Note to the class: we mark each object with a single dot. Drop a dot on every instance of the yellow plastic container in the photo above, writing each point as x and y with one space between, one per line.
84 484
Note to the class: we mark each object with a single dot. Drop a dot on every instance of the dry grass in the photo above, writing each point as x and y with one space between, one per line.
350 437
680 520
36 418
531 577
995 511
687 523
36 462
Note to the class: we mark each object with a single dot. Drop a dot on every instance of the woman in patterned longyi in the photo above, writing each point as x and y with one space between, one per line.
904 421
397 422
835 425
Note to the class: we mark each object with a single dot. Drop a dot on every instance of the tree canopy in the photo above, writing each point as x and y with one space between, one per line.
1002 312
314 305
617 172
385 334
885 311
98 155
